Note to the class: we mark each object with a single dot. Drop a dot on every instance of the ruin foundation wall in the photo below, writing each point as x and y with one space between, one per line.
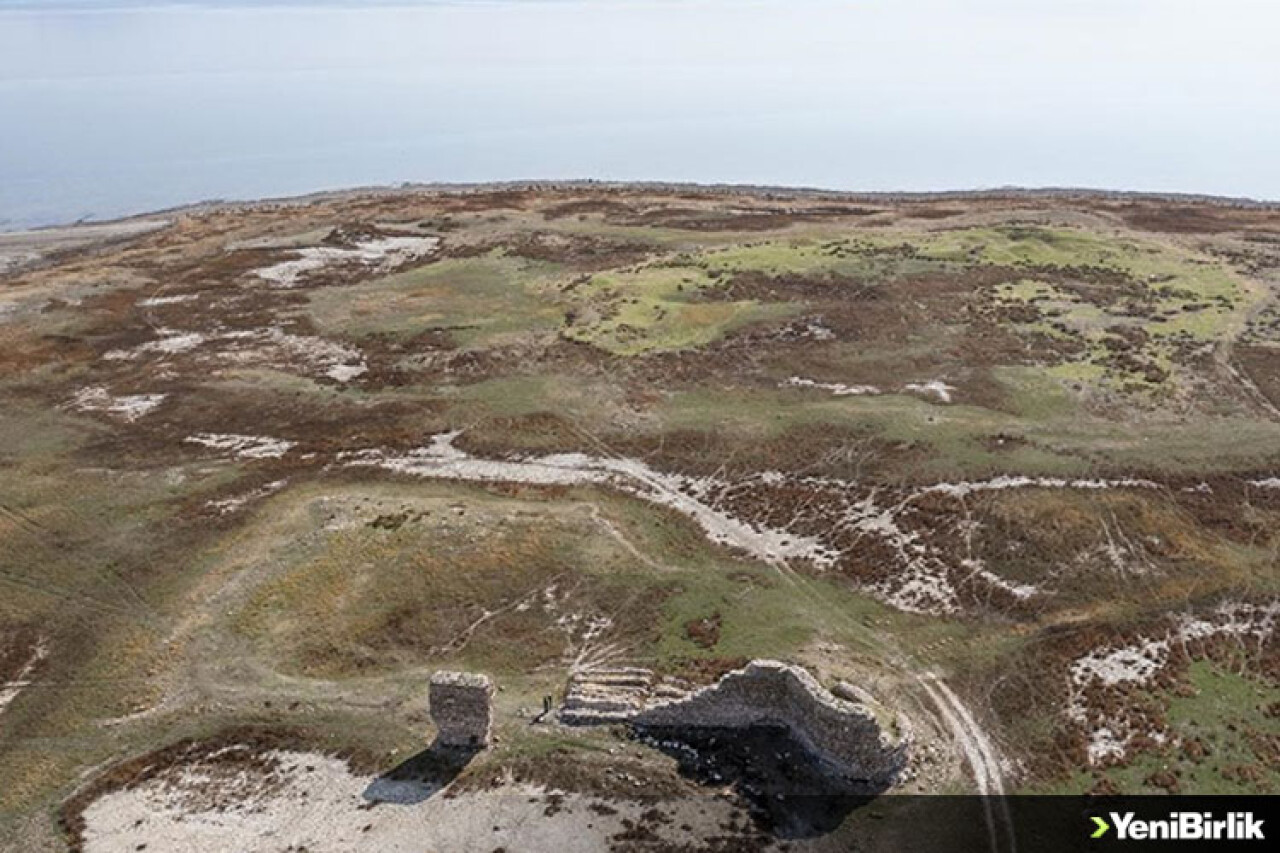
844 735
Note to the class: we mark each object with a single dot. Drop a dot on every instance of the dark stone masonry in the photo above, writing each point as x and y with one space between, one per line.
844 735
462 708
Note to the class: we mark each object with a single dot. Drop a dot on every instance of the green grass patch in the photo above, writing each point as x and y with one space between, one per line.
479 301
657 309
1219 730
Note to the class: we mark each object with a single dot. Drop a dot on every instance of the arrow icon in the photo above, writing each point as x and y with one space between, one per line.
1103 826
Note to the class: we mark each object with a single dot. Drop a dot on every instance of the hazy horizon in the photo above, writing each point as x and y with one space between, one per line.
117 108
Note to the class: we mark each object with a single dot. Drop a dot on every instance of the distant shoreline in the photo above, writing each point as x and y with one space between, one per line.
745 190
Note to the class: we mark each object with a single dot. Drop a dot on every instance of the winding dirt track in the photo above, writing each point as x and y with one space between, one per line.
443 461
981 755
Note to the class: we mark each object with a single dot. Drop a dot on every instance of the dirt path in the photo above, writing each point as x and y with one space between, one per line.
210 676
975 747
981 756
442 460
9 690
626 544
1224 356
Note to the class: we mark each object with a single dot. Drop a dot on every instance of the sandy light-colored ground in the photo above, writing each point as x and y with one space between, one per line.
312 802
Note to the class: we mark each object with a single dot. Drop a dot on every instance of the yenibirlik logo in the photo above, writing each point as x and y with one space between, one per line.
1181 826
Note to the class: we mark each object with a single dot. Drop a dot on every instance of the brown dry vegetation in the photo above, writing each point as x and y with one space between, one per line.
116 534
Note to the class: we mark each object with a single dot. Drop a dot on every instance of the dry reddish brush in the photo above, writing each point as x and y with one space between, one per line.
1039 574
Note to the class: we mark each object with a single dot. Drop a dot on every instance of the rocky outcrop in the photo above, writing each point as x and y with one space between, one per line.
841 734
462 708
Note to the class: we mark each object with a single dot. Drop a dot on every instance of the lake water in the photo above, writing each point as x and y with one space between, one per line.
107 110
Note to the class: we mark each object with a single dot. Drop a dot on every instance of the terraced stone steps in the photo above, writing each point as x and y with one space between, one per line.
614 695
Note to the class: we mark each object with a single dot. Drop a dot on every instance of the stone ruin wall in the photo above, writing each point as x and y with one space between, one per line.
461 705
844 735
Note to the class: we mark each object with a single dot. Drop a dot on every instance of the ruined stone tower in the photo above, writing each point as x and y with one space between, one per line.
462 708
